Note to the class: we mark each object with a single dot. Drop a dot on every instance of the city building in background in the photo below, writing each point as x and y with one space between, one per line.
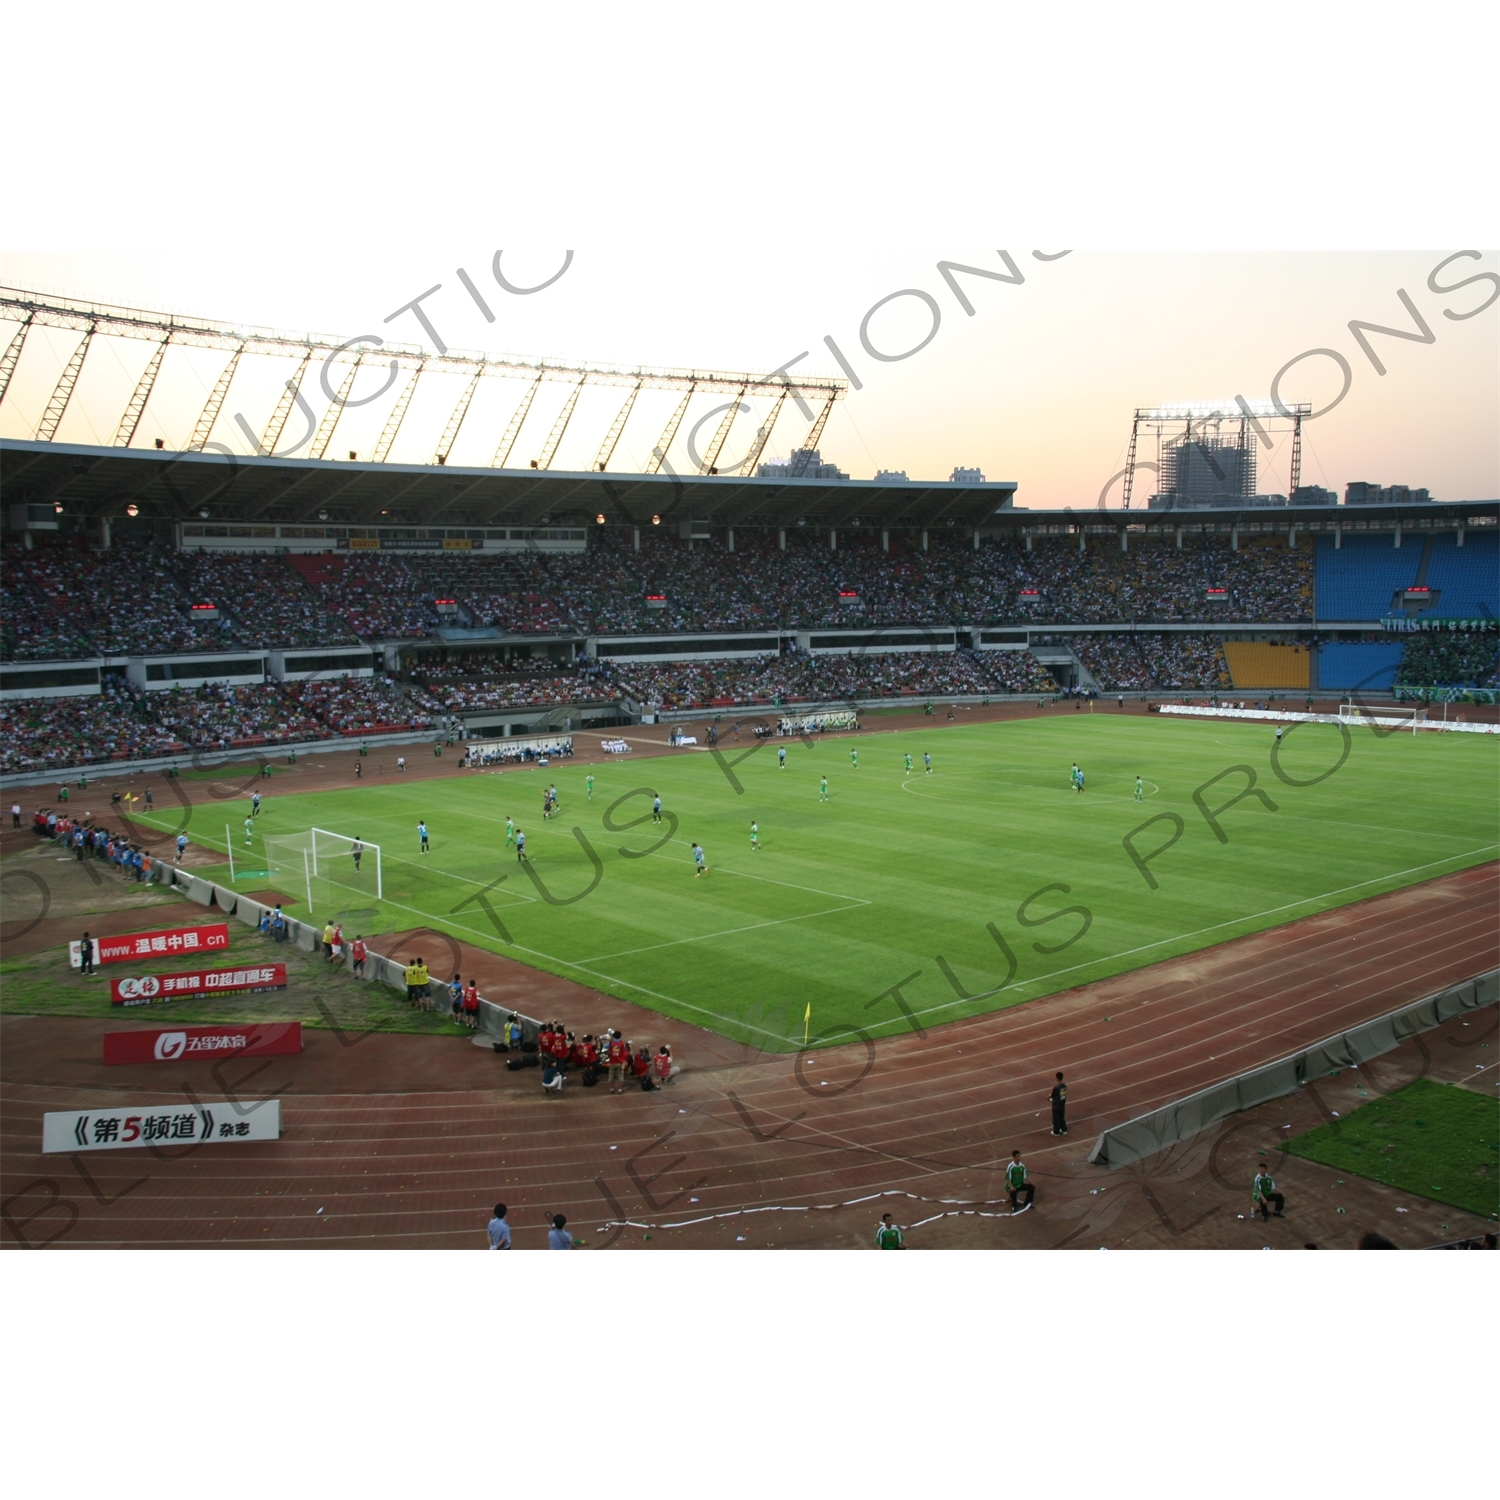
1362 492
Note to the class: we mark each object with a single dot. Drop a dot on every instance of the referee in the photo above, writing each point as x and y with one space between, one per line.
1059 1107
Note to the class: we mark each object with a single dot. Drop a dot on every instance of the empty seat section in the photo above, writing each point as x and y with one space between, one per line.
1254 665
1370 666
1356 581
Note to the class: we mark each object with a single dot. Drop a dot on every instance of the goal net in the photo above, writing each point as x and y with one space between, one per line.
332 872
1381 716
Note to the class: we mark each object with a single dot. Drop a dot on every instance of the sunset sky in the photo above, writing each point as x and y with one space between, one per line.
1037 386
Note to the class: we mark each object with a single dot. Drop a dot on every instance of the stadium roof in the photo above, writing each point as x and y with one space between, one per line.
90 481
99 482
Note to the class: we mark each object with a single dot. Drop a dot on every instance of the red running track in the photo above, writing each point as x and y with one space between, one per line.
401 1143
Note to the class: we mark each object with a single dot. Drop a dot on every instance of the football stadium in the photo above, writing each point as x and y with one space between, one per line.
593 796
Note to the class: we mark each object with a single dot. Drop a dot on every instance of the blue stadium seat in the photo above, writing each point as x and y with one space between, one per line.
1469 576
1356 581
1370 666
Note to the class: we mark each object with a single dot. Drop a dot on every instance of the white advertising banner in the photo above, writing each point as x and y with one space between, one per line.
160 1125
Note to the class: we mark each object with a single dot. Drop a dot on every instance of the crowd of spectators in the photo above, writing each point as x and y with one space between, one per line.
66 603
482 679
63 603
348 704
800 677
86 838
1150 663
1449 659
122 723
380 596
758 586
1152 581
262 600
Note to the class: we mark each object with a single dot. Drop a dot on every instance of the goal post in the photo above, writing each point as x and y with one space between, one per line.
319 866
333 858
1381 716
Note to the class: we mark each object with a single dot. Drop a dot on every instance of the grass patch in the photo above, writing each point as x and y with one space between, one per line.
851 896
43 984
1432 1140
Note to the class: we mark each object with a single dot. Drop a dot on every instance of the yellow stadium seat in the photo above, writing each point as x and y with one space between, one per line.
1254 665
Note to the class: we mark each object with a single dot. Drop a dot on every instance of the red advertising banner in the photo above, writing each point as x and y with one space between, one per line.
271 1038
195 985
182 942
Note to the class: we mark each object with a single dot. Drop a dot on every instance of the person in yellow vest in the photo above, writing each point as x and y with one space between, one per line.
424 988
413 983
328 942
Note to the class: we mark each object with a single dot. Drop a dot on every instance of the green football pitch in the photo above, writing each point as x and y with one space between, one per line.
904 898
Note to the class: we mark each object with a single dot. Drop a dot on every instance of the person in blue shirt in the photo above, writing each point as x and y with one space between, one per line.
521 847
181 846
498 1230
558 1237
422 834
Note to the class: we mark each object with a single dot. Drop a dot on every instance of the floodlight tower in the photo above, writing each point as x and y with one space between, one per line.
1198 437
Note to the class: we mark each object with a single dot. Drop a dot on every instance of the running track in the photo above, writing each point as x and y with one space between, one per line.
406 1141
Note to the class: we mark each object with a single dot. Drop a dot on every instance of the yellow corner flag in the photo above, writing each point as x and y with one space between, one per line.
806 1022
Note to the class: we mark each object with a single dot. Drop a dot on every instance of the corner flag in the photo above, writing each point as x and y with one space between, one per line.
806 1022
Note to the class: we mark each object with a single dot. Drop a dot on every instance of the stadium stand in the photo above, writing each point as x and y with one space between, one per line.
801 678
1468 576
123 724
135 600
1441 659
1356 581
65 601
1369 665
1255 664
1150 663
